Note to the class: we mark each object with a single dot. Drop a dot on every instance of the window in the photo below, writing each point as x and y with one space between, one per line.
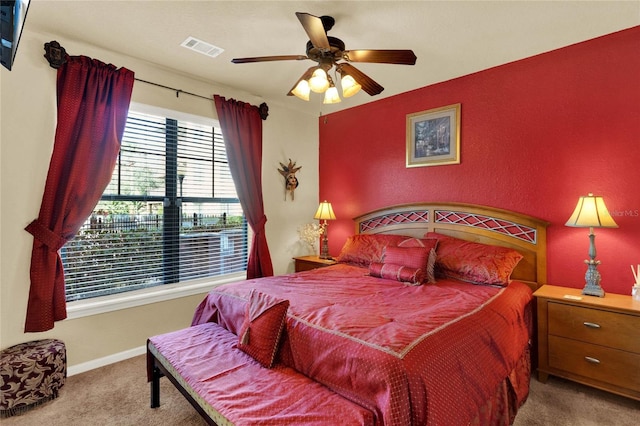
170 213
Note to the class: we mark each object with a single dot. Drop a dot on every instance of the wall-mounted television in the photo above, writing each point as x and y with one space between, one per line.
12 16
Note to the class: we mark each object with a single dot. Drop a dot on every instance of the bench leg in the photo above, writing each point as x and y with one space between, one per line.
155 387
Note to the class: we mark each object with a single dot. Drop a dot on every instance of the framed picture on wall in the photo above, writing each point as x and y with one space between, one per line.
433 137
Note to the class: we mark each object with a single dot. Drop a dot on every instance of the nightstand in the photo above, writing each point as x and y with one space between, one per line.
307 263
592 340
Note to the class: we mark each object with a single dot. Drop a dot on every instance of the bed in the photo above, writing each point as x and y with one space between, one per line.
381 333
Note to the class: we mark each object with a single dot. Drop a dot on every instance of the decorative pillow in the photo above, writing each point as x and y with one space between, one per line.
474 262
405 274
264 320
430 244
413 257
362 249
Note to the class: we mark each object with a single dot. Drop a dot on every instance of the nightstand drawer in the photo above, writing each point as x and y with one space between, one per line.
608 365
302 265
595 326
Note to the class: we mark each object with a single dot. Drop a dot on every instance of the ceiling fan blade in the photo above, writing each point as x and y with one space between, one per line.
269 58
306 76
367 83
401 57
315 30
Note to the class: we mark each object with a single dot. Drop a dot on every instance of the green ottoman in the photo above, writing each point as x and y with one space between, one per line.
31 373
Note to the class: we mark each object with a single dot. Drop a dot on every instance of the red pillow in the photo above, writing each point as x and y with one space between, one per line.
427 243
264 320
413 257
474 262
362 249
389 271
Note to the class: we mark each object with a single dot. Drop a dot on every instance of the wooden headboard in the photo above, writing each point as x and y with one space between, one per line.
481 224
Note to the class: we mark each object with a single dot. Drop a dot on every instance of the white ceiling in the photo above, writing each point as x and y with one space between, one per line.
450 38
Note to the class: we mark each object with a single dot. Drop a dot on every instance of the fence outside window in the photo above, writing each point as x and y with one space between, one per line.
112 255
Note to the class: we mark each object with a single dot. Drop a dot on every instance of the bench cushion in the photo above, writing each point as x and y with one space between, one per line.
233 388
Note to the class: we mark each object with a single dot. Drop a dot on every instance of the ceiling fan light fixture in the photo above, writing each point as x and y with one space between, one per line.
331 96
302 90
349 86
329 52
319 81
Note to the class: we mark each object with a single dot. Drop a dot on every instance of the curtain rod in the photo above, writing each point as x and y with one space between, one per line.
178 91
56 56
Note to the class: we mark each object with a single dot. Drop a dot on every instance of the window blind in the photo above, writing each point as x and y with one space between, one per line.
170 213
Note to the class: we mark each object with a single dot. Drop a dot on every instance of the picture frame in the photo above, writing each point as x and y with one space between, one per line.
433 137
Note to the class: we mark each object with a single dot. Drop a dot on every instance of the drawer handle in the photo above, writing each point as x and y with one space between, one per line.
591 324
592 360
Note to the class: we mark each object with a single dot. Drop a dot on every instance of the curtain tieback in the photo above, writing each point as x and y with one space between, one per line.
47 237
259 226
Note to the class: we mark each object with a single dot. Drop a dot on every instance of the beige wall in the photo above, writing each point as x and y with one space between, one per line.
27 109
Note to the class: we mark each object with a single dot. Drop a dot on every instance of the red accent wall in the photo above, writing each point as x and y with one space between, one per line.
535 135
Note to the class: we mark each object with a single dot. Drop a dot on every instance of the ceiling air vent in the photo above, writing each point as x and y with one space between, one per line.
202 47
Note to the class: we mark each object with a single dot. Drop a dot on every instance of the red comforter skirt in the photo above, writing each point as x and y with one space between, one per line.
430 354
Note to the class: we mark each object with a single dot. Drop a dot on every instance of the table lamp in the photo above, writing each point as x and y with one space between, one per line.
591 213
324 212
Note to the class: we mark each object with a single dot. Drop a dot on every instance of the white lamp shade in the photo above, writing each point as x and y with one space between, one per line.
325 211
318 81
302 90
331 96
591 212
349 86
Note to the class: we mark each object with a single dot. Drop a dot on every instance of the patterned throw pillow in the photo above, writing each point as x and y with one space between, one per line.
474 262
264 320
362 249
429 244
413 257
402 273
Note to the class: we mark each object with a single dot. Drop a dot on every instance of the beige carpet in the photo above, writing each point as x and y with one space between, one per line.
118 394
115 395
563 403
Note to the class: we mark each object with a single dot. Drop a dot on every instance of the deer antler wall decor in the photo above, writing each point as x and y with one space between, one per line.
290 179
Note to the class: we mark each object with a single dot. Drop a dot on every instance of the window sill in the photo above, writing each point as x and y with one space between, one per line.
101 305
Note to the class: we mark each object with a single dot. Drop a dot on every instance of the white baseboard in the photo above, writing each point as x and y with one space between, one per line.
101 362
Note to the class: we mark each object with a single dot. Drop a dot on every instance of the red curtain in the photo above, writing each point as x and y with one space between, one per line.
242 130
93 102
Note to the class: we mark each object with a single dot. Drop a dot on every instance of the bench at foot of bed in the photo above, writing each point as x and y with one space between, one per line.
228 387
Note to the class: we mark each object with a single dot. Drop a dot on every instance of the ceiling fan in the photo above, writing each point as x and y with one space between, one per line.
328 52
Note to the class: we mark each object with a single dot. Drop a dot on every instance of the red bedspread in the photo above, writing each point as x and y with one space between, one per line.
431 354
